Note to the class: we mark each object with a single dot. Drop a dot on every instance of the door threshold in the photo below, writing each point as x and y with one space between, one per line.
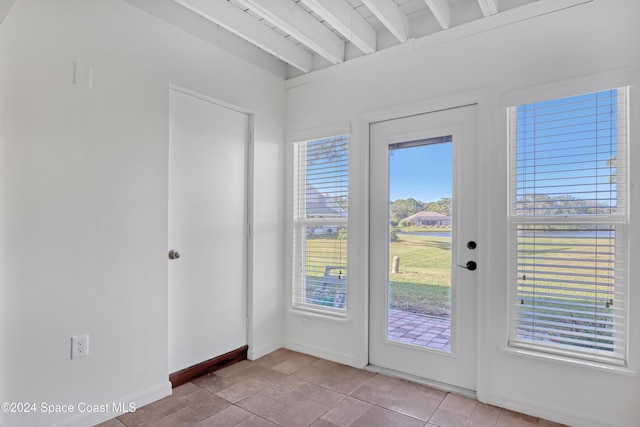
424 381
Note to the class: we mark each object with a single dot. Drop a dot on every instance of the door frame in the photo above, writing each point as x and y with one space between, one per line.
482 100
249 192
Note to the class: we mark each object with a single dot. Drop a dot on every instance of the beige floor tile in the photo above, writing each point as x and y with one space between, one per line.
290 389
485 415
276 357
461 405
228 417
314 371
407 398
251 372
240 390
235 368
184 389
444 418
140 417
204 402
301 414
264 406
166 405
420 404
315 393
255 421
380 417
212 382
288 363
343 379
515 419
344 414
324 423
184 417
281 387
379 391
111 423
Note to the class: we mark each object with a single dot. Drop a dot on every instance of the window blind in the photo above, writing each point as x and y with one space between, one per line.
320 225
569 225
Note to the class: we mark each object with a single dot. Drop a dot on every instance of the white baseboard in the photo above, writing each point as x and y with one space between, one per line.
118 407
549 412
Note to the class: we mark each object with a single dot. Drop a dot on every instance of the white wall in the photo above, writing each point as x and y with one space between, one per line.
83 199
592 38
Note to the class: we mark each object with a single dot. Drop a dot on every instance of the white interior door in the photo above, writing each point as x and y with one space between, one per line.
207 227
423 305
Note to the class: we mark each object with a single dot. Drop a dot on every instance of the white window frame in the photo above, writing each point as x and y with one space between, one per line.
619 219
301 299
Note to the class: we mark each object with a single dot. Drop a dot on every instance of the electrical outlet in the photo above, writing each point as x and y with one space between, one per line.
79 346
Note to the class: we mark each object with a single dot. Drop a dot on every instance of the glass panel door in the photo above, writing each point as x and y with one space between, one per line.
420 224
422 220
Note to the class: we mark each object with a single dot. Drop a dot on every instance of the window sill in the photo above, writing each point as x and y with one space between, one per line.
598 366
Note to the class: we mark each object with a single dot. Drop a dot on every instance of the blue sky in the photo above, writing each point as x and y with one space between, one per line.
564 146
567 133
423 172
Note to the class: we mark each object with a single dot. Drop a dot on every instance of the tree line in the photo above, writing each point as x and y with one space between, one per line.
402 208
528 204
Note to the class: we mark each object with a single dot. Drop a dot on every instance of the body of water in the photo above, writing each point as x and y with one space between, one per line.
428 234
577 234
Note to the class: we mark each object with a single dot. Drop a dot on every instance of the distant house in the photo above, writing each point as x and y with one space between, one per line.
321 205
428 218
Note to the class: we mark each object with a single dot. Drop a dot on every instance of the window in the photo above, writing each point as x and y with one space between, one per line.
568 219
320 210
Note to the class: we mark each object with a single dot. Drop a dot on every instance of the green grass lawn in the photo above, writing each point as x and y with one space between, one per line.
423 284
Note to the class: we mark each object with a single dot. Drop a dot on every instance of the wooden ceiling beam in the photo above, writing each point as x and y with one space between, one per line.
341 16
233 19
295 21
442 11
489 7
391 16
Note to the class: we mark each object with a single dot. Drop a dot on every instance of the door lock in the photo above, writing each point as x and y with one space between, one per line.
174 254
471 245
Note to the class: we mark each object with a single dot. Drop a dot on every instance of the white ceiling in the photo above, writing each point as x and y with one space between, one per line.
314 34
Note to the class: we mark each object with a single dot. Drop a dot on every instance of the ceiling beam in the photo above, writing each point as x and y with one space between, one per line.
489 7
341 16
391 16
295 21
233 19
442 11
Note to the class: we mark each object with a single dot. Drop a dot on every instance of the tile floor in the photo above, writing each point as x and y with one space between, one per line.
420 329
286 388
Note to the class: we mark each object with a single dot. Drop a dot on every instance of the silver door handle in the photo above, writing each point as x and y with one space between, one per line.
174 254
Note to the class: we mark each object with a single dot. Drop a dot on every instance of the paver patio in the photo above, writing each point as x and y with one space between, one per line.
420 329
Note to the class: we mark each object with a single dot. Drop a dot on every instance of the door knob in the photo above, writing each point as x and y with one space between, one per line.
471 265
174 254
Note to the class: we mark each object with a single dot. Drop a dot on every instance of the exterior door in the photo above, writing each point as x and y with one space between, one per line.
207 229
423 220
